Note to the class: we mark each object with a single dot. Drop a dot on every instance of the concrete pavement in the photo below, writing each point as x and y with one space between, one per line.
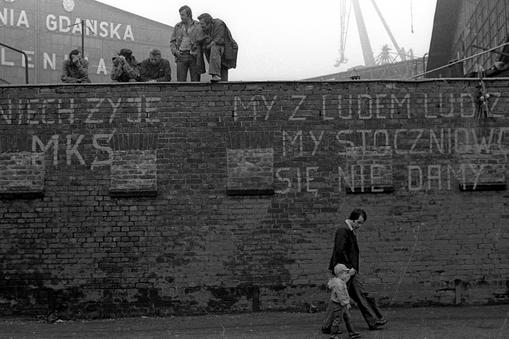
408 323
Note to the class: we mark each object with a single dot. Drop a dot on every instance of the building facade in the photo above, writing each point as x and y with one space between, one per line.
463 28
47 30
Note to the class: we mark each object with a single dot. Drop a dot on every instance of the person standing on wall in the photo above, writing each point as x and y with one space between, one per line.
219 47
75 69
346 252
184 46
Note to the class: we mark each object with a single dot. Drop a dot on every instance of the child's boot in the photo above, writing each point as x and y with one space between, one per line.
350 329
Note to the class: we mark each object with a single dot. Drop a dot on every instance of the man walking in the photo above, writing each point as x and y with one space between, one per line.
346 252
219 47
184 46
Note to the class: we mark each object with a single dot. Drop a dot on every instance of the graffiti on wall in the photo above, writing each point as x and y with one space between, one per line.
360 106
364 157
97 113
459 144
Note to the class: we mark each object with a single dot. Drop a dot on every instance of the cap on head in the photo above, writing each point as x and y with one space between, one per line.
125 52
340 268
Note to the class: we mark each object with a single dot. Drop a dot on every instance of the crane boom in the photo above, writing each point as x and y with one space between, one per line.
369 58
387 29
344 12
367 52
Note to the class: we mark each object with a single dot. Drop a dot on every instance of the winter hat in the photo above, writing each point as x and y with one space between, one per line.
125 52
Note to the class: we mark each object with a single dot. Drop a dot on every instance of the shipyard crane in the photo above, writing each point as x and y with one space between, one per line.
386 56
344 12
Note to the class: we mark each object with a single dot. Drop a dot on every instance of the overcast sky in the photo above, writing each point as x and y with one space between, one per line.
298 39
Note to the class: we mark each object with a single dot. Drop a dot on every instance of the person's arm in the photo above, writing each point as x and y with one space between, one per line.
116 71
133 71
66 74
167 72
218 34
144 72
173 41
199 38
339 247
83 70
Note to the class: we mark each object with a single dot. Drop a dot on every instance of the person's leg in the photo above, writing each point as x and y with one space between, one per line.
374 306
329 317
357 293
348 324
182 67
224 74
216 53
194 70
330 324
337 319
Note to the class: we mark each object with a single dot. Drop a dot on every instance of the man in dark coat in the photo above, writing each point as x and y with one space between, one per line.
218 46
125 67
155 68
346 252
75 69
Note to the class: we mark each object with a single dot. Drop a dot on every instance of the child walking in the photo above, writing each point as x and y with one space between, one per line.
339 304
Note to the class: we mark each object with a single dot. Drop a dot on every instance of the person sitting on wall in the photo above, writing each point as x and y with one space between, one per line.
125 67
75 68
155 68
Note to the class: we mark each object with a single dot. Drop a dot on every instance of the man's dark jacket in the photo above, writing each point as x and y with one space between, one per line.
159 72
346 250
221 35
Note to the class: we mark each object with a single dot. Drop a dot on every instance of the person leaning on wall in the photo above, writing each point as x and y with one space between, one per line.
125 67
75 68
155 68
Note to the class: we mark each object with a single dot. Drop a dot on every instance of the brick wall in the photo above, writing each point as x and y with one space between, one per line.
190 198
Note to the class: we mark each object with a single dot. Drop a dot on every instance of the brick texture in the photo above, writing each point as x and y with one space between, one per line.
21 172
438 235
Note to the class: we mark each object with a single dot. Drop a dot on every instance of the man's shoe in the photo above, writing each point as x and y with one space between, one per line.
380 322
374 327
215 78
354 335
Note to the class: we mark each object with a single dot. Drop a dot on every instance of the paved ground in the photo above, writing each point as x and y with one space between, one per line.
409 323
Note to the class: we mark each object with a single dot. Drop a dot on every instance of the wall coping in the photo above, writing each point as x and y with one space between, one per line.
256 82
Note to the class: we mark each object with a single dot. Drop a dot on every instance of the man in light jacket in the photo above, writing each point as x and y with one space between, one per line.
185 47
